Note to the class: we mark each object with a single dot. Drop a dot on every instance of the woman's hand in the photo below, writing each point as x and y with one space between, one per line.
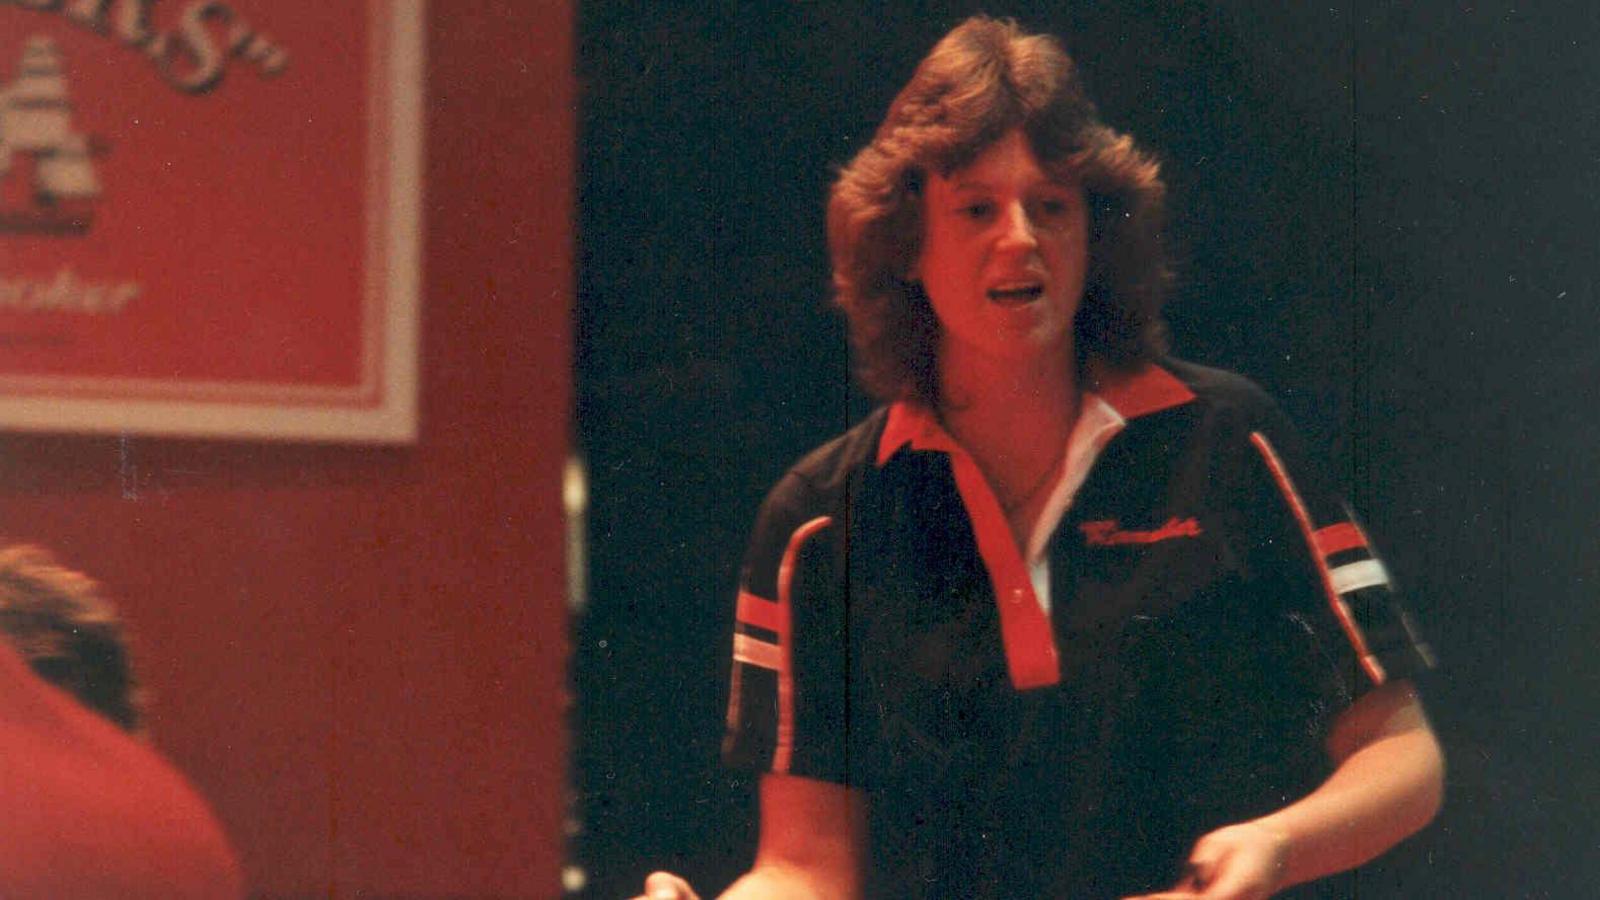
666 886
1387 782
1239 862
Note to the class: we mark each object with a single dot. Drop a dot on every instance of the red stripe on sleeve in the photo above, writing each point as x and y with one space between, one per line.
760 612
783 755
1303 517
1338 538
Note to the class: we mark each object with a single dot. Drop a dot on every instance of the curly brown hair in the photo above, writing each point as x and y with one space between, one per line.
981 81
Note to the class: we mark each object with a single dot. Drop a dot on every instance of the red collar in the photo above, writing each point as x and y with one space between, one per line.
1149 389
914 424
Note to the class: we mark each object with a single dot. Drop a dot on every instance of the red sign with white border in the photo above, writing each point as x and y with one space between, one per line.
209 217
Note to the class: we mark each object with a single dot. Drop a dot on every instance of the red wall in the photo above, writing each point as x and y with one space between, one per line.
358 654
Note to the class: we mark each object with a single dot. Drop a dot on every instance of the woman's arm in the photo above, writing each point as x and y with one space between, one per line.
810 848
811 844
1387 783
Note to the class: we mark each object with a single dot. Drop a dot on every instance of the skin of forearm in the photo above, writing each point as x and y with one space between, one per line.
1381 793
812 834
777 881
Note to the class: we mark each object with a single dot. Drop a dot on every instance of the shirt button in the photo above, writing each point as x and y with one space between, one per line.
1016 595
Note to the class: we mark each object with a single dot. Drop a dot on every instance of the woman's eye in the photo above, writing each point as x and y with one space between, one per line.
977 210
1053 210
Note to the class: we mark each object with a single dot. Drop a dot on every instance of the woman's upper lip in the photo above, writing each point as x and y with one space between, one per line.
1003 285
1004 279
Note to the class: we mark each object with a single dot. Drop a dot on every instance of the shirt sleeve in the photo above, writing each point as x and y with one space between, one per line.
786 703
1335 583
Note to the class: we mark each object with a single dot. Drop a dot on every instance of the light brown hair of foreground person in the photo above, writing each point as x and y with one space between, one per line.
67 632
91 811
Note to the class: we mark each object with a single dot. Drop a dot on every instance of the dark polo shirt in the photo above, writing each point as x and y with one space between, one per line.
1213 608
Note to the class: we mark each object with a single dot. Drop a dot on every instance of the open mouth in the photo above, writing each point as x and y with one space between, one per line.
1016 294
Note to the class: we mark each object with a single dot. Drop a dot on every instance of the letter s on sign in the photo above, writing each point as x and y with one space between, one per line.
195 38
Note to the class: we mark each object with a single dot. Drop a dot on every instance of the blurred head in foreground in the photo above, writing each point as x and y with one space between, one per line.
69 634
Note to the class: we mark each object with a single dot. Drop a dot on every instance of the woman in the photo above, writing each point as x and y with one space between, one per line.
1066 618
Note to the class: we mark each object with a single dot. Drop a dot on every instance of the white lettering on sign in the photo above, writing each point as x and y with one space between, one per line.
65 292
192 54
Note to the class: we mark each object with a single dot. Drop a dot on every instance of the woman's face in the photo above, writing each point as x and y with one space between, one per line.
1004 251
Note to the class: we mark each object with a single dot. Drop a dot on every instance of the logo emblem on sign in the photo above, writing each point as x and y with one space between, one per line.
48 183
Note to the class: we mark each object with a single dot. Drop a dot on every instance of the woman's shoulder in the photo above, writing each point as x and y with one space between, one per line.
1219 387
826 469
1231 401
814 487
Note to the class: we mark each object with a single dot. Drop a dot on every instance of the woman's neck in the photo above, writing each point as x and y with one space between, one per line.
985 394
1014 417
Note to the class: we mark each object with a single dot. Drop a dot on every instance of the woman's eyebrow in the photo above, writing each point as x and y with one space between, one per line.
970 184
976 185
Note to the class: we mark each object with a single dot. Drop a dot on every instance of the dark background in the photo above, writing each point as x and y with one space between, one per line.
1385 215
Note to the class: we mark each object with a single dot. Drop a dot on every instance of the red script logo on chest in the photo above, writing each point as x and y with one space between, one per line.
1109 533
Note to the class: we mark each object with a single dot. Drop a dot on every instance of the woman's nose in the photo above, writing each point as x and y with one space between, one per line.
1017 230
